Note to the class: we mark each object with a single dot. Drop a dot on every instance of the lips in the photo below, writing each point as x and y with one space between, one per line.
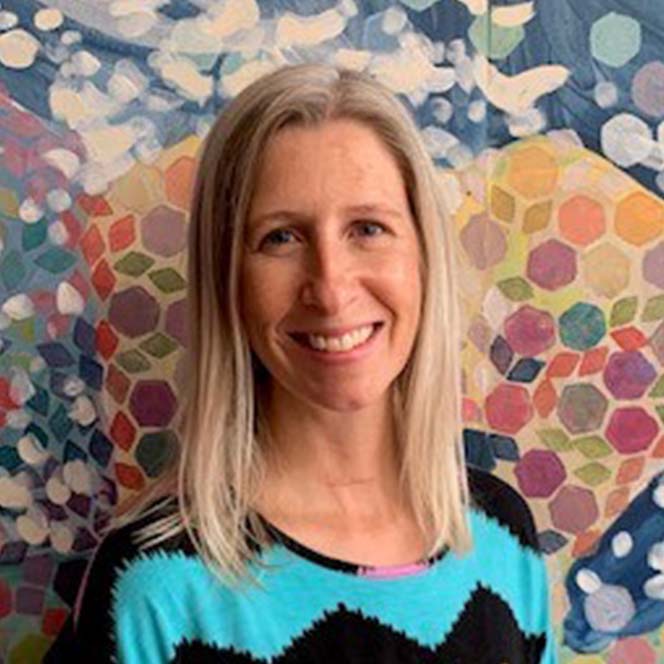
301 337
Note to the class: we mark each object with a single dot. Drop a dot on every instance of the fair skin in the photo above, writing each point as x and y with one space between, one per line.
331 242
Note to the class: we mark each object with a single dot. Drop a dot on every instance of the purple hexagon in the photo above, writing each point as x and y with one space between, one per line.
152 403
631 429
628 375
163 231
653 266
530 331
133 312
582 407
176 321
574 509
552 265
539 473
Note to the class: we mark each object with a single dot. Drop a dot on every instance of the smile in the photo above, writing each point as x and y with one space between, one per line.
340 344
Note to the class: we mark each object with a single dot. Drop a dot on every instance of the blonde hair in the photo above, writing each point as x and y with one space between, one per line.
223 430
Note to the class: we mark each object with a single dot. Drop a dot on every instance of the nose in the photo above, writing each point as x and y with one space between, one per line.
328 276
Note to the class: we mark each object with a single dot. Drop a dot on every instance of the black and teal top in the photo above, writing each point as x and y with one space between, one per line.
163 605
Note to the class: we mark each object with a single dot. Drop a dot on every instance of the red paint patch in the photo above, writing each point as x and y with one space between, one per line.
545 398
593 361
103 279
129 476
92 244
508 408
107 340
123 432
629 338
562 365
122 233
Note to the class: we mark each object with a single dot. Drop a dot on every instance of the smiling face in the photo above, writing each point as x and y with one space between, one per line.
330 245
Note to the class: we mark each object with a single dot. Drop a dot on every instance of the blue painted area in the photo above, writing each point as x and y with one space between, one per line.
644 522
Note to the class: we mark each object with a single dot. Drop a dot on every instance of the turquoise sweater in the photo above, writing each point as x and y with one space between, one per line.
163 605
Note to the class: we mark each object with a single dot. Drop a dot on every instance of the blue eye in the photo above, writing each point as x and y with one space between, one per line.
270 236
373 224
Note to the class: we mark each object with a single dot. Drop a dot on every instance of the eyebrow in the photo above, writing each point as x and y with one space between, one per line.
289 215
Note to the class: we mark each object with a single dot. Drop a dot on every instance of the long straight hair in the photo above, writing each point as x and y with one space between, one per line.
223 430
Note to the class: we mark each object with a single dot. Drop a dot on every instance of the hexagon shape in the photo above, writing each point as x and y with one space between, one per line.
631 429
484 242
639 218
581 220
530 331
582 326
552 265
156 451
653 266
606 270
539 473
152 403
133 312
574 509
628 375
176 321
523 163
508 408
163 231
581 408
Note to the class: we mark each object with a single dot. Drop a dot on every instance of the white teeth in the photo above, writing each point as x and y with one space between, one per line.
343 343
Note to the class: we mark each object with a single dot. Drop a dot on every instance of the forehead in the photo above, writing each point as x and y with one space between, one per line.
343 158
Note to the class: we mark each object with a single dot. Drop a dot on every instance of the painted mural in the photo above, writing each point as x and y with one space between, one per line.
546 120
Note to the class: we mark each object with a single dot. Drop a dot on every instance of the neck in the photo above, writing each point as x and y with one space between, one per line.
322 462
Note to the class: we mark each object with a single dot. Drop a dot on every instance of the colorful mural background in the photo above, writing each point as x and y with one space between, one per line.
547 121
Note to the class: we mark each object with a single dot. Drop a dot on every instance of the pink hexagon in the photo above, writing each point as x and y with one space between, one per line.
653 266
134 312
628 375
163 231
508 408
574 509
631 429
176 321
530 331
152 403
552 265
540 473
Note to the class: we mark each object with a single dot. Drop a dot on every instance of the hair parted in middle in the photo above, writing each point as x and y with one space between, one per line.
223 430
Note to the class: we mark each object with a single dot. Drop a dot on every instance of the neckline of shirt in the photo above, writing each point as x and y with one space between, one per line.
379 572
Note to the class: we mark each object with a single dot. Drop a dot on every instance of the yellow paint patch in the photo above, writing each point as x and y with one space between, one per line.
18 49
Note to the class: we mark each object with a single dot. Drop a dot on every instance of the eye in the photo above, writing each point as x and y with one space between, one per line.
272 237
372 224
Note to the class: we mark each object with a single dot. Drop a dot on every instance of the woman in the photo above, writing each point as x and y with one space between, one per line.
320 509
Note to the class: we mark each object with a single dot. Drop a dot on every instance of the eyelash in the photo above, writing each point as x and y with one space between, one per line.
274 232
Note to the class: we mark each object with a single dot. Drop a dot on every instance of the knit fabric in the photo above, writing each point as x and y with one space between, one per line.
163 605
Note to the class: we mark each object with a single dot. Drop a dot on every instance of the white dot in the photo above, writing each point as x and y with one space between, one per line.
477 110
588 581
33 527
62 538
621 544
606 94
8 20
29 211
56 491
76 475
31 451
73 386
626 139
58 200
656 556
48 19
658 496
654 587
57 233
609 609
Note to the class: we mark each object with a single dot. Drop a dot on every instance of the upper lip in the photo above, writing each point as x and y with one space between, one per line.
335 331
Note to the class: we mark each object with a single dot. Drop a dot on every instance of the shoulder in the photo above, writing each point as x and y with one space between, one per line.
500 501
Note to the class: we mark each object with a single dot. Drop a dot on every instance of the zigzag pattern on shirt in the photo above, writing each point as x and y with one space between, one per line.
343 635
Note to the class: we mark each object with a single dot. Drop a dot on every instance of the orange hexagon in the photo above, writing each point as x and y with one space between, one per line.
581 220
533 172
639 218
